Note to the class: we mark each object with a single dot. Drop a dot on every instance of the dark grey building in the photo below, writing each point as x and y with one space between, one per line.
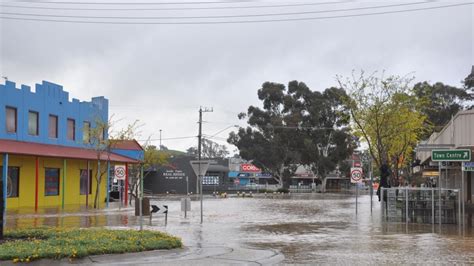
178 177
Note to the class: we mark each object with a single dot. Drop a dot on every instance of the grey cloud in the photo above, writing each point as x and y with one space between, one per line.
162 74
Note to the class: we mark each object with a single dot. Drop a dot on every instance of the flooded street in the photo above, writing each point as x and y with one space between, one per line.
316 228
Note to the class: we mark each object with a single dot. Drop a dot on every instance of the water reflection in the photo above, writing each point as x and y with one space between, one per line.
307 229
71 216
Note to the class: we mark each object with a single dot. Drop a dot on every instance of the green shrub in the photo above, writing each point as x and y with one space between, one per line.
56 243
283 190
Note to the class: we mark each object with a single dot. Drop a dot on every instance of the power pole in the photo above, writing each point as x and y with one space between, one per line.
199 183
160 139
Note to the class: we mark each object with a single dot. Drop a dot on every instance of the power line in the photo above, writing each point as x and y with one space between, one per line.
188 137
214 17
299 127
135 3
236 21
178 8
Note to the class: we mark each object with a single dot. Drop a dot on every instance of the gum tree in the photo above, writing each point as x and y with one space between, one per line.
296 126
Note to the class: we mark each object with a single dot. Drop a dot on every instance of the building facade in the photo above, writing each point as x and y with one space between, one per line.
48 152
457 134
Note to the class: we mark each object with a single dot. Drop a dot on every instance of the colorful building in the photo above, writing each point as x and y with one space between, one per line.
49 156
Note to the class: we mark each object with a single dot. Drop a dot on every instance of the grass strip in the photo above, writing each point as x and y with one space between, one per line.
24 245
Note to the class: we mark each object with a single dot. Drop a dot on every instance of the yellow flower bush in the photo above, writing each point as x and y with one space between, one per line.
55 243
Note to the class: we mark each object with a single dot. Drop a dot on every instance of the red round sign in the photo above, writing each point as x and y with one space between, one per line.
356 175
120 172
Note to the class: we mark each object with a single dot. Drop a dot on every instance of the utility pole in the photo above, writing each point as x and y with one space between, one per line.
199 183
160 139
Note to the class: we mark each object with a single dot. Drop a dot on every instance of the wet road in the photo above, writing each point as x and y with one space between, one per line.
317 228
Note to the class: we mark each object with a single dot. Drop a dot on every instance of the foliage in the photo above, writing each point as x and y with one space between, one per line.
155 157
444 102
56 243
386 115
296 126
283 190
100 142
469 80
102 139
209 149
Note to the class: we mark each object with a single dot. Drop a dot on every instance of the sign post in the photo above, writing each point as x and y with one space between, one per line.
356 178
141 197
200 169
466 167
458 155
119 174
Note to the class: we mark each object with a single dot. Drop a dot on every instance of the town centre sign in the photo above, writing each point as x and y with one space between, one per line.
451 155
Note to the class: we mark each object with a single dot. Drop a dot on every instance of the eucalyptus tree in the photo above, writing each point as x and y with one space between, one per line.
295 126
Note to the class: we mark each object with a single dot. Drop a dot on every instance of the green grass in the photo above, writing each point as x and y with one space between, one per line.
56 243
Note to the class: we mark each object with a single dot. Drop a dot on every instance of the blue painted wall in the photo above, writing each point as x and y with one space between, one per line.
49 99
137 155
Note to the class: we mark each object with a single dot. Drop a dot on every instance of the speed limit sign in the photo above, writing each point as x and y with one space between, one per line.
356 175
119 172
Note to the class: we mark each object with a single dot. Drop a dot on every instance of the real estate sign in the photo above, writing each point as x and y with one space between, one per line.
451 155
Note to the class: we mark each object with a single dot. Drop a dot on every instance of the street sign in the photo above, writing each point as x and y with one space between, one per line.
159 209
468 166
119 172
356 175
451 155
199 167
210 180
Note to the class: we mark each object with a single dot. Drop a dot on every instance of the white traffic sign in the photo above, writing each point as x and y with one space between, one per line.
356 175
119 172
199 167
159 209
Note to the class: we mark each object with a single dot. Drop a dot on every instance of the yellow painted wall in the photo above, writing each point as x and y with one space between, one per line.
72 182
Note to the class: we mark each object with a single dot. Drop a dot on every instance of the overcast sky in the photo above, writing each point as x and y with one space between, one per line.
161 74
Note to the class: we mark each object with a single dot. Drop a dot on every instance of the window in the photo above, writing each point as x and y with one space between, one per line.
13 179
33 123
71 129
102 134
83 182
86 132
51 182
11 119
53 126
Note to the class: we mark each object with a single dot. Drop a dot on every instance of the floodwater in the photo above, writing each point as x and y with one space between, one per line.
307 229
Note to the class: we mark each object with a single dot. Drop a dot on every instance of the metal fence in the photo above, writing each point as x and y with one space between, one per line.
421 205
300 189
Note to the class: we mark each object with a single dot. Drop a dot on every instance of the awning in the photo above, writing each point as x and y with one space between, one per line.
56 151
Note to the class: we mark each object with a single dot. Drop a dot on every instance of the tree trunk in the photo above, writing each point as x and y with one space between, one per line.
97 189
